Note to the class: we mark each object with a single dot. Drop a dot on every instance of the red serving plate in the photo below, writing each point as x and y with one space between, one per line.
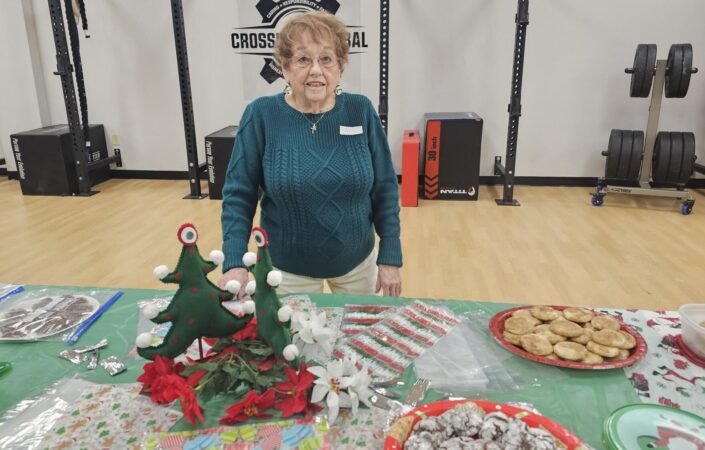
497 328
400 431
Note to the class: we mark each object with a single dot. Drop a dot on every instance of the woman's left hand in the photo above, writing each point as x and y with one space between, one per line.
388 281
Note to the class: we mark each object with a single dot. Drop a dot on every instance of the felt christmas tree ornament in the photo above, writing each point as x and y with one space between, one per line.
273 320
196 309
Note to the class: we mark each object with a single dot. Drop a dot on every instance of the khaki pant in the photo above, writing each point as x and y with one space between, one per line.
362 280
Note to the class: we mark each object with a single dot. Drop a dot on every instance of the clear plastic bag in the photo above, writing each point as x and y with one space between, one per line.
48 314
468 362
74 413
25 425
7 290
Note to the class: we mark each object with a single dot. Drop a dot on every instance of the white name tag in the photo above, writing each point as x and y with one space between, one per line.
350 131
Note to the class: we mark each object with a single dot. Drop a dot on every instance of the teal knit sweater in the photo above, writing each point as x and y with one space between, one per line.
325 194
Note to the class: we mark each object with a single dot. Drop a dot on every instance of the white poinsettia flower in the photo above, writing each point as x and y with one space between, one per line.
359 388
330 384
350 364
311 336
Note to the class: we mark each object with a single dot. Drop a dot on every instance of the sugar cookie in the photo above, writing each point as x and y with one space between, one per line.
536 344
518 325
566 328
545 313
602 350
571 351
581 315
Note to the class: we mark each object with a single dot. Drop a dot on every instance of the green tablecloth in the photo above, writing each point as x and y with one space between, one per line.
579 400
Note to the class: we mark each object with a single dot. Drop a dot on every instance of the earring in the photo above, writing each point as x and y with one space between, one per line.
287 89
338 89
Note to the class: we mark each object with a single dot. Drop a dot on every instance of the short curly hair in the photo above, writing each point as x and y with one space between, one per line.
322 25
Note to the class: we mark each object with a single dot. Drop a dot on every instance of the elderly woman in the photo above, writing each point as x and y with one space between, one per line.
323 162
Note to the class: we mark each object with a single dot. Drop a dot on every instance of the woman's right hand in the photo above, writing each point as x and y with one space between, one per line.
238 274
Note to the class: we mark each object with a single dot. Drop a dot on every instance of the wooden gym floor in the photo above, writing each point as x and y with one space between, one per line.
556 248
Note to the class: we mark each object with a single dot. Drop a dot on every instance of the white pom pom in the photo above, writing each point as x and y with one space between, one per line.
248 306
217 257
284 313
251 287
274 278
151 311
237 309
144 340
290 352
233 286
249 259
161 271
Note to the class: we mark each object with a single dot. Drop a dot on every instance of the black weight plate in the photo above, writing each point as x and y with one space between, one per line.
679 65
637 153
643 73
662 153
614 148
687 67
625 150
676 160
688 159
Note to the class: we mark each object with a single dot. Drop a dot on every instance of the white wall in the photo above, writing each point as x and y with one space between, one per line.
446 55
19 109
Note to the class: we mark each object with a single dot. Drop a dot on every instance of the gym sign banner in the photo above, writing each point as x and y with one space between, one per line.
254 39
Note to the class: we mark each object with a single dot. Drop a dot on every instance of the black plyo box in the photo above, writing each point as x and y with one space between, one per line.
452 146
45 160
219 147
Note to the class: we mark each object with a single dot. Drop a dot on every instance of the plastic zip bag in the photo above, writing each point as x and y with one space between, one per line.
48 314
469 363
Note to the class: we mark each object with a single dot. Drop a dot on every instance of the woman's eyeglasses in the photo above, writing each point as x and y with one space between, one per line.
304 62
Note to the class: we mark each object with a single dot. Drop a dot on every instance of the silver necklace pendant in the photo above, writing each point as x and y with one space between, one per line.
313 128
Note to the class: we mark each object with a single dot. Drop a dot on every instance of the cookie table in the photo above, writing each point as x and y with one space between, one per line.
578 400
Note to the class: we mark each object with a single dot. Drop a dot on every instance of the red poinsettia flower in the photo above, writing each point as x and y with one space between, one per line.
248 332
160 367
190 407
295 391
252 406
